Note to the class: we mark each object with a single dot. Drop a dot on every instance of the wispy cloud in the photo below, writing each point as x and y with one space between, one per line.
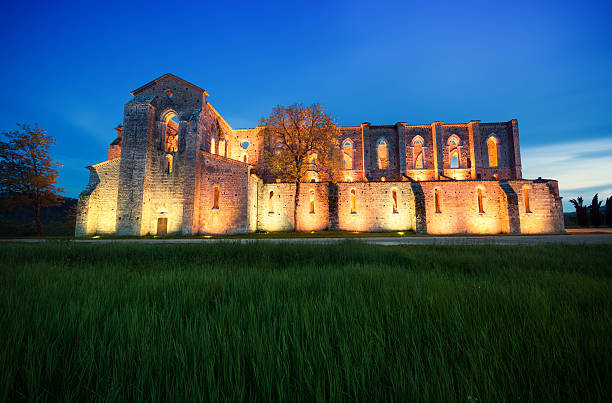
582 168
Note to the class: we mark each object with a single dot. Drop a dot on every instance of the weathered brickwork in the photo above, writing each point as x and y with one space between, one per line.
97 211
177 167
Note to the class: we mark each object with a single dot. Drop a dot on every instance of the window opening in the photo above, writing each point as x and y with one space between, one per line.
394 196
216 197
480 206
312 202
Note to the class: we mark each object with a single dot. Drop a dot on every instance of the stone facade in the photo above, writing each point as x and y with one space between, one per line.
177 167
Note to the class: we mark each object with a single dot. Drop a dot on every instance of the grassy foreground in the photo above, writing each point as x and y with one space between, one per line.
267 322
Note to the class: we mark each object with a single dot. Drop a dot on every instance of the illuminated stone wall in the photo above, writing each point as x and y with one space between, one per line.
230 213
151 185
276 214
546 211
97 207
374 207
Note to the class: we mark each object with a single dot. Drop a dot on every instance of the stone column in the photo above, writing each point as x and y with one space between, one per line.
473 127
134 170
438 151
516 163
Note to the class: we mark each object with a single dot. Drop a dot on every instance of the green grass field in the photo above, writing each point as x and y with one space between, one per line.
302 322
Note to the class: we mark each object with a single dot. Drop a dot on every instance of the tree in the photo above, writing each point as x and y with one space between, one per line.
581 211
594 211
27 172
609 211
296 139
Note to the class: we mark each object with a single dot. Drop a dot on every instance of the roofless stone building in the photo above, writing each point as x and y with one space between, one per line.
177 167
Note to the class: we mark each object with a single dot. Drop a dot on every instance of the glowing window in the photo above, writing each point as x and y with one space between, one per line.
418 141
312 201
212 146
171 133
526 197
454 158
271 203
222 148
216 197
313 162
418 162
383 154
394 197
347 150
480 206
437 200
492 147
169 163
353 202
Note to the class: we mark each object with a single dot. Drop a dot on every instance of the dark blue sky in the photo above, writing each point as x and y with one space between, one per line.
70 67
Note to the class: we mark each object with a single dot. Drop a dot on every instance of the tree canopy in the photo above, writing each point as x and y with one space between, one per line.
27 173
298 139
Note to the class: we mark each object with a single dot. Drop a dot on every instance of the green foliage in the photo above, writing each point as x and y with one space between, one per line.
269 322
609 211
292 134
594 211
581 212
57 220
27 172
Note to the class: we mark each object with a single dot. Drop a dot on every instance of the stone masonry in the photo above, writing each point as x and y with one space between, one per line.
177 167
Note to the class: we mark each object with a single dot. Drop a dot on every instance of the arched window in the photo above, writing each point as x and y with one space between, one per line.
417 151
353 202
312 201
454 141
383 154
215 197
313 161
394 198
169 163
222 148
480 205
492 147
526 197
454 158
212 146
244 158
347 151
418 141
171 134
271 202
418 162
437 200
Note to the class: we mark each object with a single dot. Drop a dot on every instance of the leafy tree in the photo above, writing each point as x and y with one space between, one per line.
292 135
609 211
594 211
581 212
27 172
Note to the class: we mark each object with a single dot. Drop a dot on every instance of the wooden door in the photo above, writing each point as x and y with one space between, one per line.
162 226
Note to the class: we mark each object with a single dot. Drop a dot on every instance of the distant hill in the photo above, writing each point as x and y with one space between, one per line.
57 221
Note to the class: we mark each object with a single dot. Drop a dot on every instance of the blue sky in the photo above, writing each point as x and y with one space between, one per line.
70 67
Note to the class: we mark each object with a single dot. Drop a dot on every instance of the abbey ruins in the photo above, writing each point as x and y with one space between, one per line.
177 167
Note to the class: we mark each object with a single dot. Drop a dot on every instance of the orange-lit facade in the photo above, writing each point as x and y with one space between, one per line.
178 167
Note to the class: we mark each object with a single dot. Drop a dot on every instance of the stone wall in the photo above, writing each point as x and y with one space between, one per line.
374 207
231 214
97 206
459 210
545 210
275 212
